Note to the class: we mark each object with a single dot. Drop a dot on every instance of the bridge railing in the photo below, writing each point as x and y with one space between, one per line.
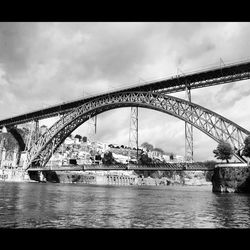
138 84
163 78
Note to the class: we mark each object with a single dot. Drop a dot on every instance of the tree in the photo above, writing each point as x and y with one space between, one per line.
223 151
78 136
144 159
98 157
148 146
108 158
159 150
246 149
171 157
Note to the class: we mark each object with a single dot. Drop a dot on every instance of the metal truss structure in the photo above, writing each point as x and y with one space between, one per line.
33 135
13 130
207 77
168 166
91 129
133 131
214 125
189 145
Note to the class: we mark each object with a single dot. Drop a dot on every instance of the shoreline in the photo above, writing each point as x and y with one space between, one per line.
108 177
124 178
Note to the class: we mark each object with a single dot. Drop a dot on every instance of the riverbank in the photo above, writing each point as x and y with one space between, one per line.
112 177
14 175
231 178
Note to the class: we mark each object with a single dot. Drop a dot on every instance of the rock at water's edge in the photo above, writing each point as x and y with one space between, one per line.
231 179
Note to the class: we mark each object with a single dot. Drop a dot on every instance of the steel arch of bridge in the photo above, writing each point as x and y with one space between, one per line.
214 125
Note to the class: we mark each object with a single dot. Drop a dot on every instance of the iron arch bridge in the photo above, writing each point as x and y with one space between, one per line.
214 125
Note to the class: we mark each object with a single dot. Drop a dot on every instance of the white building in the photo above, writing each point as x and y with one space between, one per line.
102 146
166 158
77 141
120 158
155 154
179 158
43 129
68 141
8 159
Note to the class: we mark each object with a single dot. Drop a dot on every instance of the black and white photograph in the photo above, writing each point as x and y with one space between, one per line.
124 125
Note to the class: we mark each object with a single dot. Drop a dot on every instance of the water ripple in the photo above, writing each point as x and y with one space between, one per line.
34 205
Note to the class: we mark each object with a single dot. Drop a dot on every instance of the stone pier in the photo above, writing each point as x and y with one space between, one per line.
231 178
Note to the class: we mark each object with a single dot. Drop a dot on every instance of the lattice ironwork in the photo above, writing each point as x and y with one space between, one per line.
91 129
207 77
33 134
189 145
216 126
171 166
133 131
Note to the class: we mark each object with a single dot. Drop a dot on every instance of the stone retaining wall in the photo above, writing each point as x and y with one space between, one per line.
231 179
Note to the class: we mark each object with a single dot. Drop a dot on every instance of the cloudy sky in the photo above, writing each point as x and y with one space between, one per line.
43 64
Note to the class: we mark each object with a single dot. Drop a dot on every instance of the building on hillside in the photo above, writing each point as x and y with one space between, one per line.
84 147
77 141
144 149
121 158
43 129
155 154
69 141
84 155
179 158
56 160
166 158
8 159
102 147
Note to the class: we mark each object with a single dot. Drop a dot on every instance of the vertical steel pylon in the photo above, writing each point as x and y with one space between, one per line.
33 134
36 132
91 128
133 131
188 134
91 133
188 127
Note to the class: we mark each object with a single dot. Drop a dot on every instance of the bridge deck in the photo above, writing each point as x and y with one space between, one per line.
172 167
215 76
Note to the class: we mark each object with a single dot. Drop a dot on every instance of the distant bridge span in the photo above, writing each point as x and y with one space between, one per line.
219 75
171 166
214 125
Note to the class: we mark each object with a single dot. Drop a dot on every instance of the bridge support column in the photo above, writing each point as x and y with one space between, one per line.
3 156
188 134
91 131
36 132
133 131
1 151
231 178
33 134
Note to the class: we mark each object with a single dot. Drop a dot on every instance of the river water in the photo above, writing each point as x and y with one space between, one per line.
47 205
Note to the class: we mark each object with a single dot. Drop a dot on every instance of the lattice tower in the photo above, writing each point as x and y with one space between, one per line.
133 131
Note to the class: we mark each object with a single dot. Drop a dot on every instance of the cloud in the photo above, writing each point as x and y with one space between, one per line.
15 40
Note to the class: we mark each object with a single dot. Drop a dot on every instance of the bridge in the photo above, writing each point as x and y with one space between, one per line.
218 75
180 166
150 95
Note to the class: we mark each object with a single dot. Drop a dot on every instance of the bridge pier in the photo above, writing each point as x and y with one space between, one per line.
231 178
133 131
188 133
39 176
